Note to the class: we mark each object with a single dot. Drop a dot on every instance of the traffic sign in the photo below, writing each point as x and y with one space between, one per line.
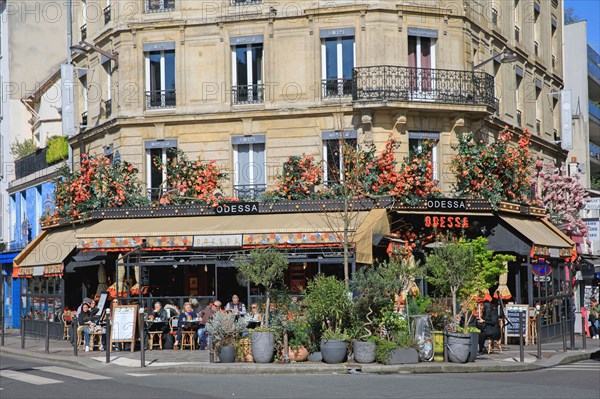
542 269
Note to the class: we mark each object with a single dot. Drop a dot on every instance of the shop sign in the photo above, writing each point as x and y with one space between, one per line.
447 204
542 278
237 208
447 222
593 203
593 227
217 241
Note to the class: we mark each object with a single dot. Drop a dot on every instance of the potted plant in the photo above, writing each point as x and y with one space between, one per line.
438 311
334 346
266 268
397 345
329 308
298 341
224 330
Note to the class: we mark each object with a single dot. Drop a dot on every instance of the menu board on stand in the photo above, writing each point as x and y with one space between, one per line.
511 324
124 322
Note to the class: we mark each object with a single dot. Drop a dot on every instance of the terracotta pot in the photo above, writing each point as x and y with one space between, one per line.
299 354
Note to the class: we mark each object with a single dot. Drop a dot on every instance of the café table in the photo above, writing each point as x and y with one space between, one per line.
155 328
189 328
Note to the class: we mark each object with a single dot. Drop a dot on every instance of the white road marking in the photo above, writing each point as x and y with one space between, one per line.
139 374
81 375
28 378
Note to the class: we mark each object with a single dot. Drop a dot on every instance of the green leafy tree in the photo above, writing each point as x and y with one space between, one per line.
266 268
58 149
22 149
327 304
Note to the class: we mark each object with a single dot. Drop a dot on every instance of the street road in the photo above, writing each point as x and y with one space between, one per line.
36 379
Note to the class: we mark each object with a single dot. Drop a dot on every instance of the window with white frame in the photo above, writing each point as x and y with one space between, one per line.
160 75
158 152
334 143
419 141
421 60
249 166
338 59
247 69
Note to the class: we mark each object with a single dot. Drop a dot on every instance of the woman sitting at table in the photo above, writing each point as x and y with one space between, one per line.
188 321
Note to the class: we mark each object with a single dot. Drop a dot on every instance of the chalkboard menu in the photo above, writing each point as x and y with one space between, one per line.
511 323
123 324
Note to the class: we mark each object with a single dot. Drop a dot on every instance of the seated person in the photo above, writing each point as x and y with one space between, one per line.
185 323
159 316
86 324
253 319
235 306
489 325
205 316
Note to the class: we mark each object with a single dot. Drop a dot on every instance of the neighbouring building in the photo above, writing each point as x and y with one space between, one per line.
32 45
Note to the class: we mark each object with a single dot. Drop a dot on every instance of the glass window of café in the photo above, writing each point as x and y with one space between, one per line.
42 296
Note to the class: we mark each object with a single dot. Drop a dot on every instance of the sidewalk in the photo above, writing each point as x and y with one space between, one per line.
186 361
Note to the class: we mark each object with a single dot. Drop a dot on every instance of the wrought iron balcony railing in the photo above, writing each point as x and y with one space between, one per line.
160 5
107 108
333 88
395 83
31 164
160 99
83 31
248 94
107 14
249 191
236 2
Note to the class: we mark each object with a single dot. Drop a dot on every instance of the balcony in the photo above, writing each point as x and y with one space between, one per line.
335 88
594 110
248 94
84 120
157 99
83 31
107 108
238 2
31 164
159 5
394 83
249 191
106 14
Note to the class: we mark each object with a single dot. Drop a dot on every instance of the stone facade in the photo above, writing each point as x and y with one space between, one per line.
286 100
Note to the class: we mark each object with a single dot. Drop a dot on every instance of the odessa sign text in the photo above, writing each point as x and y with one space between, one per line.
237 208
446 204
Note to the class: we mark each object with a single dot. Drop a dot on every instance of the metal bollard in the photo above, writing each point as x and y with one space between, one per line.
142 339
107 340
539 335
563 328
521 347
75 338
583 325
22 333
47 338
211 349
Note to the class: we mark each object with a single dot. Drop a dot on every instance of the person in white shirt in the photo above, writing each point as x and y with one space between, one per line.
235 306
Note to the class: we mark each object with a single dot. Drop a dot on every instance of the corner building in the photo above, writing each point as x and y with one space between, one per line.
249 83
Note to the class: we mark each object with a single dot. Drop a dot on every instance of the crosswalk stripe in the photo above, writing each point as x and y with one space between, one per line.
81 375
28 378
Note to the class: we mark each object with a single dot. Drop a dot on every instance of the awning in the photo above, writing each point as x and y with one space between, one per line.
237 231
8 257
545 238
44 255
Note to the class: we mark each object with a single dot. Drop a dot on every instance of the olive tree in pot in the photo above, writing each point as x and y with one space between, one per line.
266 268
328 307
225 330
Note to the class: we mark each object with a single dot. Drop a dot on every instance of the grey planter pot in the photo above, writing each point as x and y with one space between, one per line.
334 351
262 346
474 346
315 357
458 347
404 356
227 354
364 352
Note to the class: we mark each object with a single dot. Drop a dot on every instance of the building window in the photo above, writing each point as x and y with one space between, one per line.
159 5
12 209
157 153
83 28
495 16
421 60
334 143
107 66
538 109
106 12
84 101
247 73
417 143
338 59
249 166
518 87
160 79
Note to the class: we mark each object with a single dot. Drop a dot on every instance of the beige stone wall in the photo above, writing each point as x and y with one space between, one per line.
293 114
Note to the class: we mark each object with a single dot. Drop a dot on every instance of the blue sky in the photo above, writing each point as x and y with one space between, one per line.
590 11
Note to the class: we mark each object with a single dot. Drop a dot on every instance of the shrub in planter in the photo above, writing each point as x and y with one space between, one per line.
225 329
334 346
263 343
298 341
58 150
327 305
365 352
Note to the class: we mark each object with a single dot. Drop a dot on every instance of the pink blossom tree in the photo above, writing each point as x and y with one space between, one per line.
563 196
